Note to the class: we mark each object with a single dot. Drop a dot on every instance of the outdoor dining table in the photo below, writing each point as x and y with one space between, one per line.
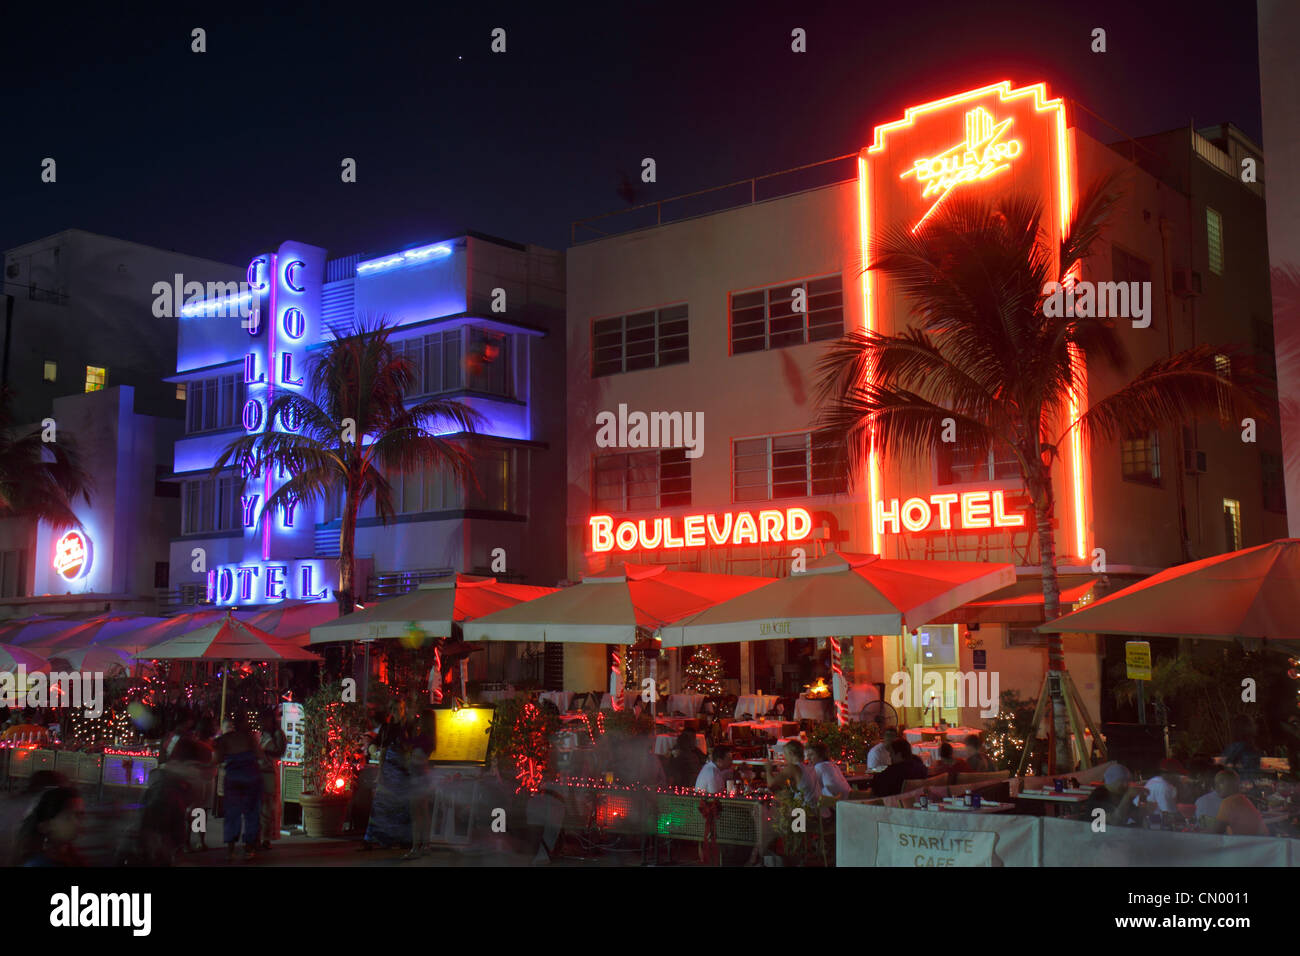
560 698
688 705
754 705
1071 796
955 805
664 743
954 735
770 727
812 708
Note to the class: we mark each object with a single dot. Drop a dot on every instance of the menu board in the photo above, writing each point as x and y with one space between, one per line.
461 735
291 722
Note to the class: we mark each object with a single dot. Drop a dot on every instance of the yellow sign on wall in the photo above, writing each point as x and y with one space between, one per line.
1137 660
461 735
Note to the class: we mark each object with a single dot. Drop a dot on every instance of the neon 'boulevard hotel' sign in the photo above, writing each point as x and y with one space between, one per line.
284 320
949 511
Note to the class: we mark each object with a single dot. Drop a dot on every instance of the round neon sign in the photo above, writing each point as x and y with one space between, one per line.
72 555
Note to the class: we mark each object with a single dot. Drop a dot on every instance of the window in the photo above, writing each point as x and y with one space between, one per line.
1231 524
960 463
180 391
51 373
768 318
1264 348
642 480
487 362
787 466
435 361
214 403
162 488
1126 267
1025 637
1214 239
1140 458
212 505
429 489
96 378
1274 484
1223 369
161 574
626 343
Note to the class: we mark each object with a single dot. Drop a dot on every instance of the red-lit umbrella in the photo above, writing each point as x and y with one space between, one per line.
612 606
106 659
83 634
226 639
293 620
12 657
1252 593
137 639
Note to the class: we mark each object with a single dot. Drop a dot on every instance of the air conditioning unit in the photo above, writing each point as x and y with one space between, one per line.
1194 461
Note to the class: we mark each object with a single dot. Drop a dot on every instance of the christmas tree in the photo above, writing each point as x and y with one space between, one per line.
704 672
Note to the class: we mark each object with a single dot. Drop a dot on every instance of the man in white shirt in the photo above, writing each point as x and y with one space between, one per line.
1163 789
713 775
829 776
879 756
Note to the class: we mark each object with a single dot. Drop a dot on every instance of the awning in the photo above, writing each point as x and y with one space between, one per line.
1022 603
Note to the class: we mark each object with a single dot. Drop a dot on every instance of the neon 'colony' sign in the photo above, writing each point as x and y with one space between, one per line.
949 511
278 329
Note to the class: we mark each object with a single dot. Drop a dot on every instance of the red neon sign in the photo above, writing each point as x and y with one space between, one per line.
950 511
72 555
697 531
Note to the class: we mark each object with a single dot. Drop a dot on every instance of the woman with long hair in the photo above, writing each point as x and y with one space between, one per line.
390 813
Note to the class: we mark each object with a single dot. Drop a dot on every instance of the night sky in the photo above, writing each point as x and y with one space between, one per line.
227 153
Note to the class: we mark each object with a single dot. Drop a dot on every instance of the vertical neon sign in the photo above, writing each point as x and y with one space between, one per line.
887 193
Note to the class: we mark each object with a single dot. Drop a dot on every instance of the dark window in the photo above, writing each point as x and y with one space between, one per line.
1274 482
212 505
961 463
651 339
161 488
161 574
214 403
785 315
642 480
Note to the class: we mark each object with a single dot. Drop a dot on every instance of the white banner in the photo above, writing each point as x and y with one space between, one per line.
1074 843
924 846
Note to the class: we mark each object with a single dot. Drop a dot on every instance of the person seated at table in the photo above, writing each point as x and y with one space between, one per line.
1242 754
879 756
946 763
1207 804
1116 796
829 775
686 762
1163 788
1237 816
976 760
903 766
713 776
794 774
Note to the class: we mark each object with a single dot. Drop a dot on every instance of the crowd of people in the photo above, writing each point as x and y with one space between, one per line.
1220 807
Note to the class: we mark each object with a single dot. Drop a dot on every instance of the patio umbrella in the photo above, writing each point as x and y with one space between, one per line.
612 606
432 608
12 657
842 594
9 628
105 659
87 633
226 639
1254 593
293 620
136 639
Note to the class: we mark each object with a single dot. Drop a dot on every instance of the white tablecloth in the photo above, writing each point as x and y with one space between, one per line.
686 704
818 709
560 698
664 743
754 705
630 697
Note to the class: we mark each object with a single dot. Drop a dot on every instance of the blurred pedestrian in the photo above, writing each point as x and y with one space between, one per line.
390 812
273 745
49 828
419 749
237 752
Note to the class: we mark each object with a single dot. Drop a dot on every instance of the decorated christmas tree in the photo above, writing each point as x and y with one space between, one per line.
704 672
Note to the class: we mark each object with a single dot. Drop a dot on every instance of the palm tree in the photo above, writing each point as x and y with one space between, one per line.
356 430
39 479
984 355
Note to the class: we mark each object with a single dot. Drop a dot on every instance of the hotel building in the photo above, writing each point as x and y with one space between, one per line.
480 319
727 314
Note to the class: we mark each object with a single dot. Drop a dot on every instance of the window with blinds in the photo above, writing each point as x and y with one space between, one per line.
811 310
626 343
773 467
642 480
214 403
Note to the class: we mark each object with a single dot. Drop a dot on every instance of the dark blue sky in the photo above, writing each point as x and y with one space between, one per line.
229 152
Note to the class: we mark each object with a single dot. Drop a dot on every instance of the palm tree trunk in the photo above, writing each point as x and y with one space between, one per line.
1059 759
347 557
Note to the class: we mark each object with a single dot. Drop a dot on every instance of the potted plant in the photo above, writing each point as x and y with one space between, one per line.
332 753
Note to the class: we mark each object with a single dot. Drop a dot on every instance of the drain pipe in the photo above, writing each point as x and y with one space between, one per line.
1179 477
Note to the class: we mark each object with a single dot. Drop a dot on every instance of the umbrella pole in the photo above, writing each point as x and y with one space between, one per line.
225 675
365 672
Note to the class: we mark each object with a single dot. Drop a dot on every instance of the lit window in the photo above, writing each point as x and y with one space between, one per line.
96 378
1223 369
1214 239
51 371
1140 458
180 391
1232 524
